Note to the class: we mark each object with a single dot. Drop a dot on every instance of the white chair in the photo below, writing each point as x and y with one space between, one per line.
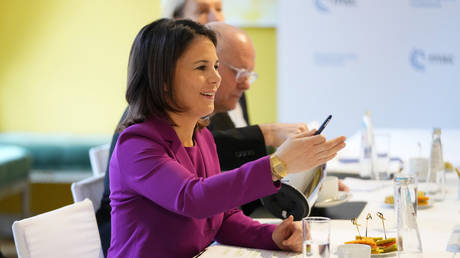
89 188
99 158
70 231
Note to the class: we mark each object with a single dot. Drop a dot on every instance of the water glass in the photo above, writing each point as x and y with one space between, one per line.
316 237
405 192
382 162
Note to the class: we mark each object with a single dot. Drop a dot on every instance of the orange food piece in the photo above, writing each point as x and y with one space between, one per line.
368 242
421 199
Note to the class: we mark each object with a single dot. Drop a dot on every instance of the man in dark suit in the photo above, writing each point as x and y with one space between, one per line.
235 146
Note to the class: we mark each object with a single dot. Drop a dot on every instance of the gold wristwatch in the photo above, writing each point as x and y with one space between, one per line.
277 167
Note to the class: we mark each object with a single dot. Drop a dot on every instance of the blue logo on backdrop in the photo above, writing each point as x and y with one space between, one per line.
325 5
429 3
335 59
417 59
420 60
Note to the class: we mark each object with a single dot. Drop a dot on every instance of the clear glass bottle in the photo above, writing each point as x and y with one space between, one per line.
405 193
436 177
367 152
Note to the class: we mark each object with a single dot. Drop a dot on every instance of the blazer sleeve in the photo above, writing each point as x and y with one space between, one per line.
147 168
240 230
238 146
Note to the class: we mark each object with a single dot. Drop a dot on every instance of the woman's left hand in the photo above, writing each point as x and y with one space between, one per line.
288 235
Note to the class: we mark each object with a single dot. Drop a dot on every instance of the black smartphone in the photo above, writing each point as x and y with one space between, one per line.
323 125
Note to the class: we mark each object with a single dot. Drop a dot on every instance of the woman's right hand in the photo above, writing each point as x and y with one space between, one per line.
305 151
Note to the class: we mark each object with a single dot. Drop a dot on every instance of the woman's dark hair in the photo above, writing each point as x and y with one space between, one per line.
152 63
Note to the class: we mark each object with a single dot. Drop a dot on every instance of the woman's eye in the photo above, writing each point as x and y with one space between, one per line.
216 66
201 67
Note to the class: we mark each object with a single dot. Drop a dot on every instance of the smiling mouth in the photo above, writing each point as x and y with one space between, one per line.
208 94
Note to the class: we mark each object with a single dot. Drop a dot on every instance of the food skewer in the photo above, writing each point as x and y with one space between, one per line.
369 216
355 222
380 215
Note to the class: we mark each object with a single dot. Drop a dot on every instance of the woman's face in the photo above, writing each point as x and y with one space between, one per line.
196 78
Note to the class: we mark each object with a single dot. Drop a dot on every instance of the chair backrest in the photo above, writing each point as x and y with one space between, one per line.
89 188
70 231
99 158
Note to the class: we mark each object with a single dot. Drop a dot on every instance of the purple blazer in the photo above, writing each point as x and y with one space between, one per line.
162 206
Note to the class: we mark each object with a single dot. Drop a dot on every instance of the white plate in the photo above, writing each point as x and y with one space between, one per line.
343 197
389 254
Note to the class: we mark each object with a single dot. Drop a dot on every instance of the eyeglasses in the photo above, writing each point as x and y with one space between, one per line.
243 74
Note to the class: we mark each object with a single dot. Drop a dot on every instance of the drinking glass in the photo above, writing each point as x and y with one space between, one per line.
316 237
382 162
409 241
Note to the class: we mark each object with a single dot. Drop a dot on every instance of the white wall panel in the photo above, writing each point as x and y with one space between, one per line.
396 58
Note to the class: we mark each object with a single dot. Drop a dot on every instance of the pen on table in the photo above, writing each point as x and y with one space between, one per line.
323 125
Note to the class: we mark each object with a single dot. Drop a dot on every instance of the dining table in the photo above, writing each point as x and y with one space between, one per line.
438 222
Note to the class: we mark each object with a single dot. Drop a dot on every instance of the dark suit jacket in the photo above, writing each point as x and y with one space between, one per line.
235 146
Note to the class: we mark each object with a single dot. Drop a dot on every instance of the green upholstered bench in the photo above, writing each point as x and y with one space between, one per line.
56 157
14 173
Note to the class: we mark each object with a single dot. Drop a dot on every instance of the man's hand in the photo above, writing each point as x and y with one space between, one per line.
288 235
276 133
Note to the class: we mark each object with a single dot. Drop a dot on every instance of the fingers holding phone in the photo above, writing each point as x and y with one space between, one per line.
308 150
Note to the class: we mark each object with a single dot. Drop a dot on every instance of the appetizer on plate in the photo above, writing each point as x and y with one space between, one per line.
378 244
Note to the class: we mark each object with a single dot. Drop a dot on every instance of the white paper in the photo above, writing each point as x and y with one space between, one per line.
234 251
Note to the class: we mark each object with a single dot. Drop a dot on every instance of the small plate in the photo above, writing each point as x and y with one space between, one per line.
389 254
343 197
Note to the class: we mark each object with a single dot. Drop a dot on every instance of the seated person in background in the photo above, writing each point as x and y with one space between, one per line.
168 196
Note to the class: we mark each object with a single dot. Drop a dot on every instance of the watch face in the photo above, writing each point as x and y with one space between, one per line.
280 170
278 167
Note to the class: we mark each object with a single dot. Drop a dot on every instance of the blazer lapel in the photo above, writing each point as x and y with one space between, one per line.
175 146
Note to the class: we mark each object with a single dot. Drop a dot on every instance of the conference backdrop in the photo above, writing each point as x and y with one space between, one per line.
398 59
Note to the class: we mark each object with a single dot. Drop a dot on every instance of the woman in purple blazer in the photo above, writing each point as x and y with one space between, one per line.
168 196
